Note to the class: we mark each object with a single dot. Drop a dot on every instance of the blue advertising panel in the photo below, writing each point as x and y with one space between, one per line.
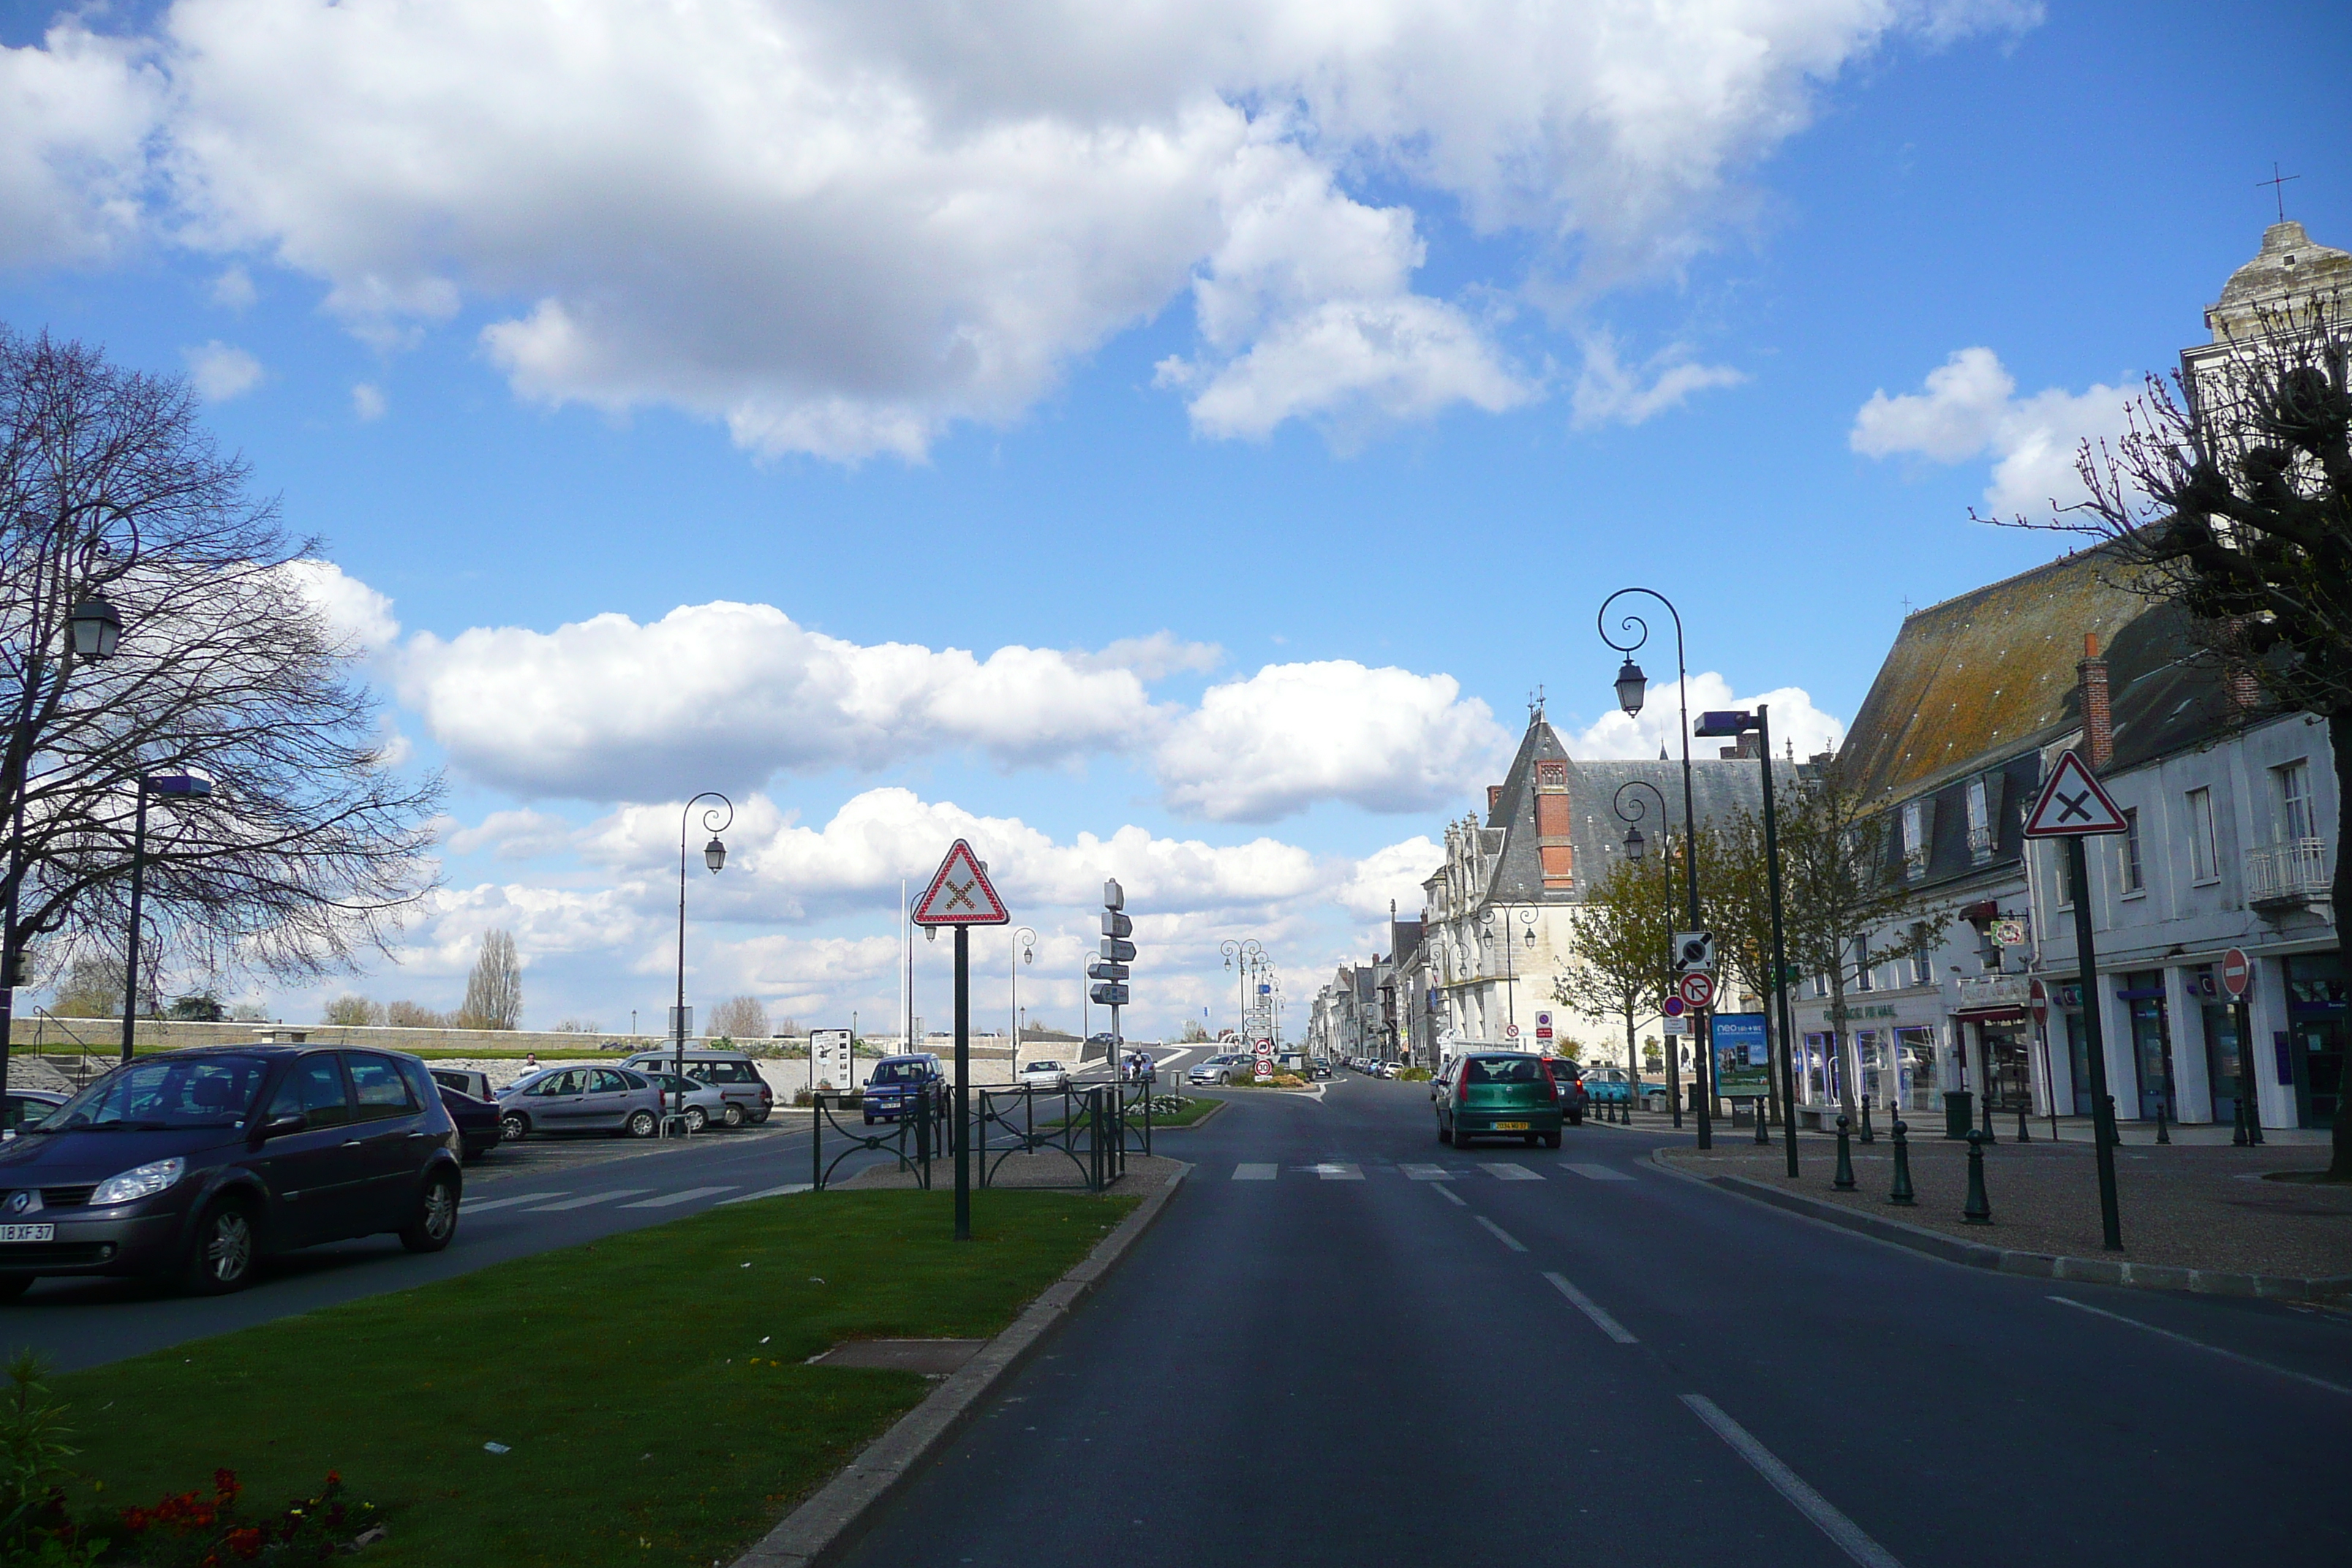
1743 1059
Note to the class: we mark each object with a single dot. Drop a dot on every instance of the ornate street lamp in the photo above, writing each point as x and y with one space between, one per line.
1636 848
1025 941
716 820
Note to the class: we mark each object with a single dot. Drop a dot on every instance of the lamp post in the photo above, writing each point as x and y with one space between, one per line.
1635 848
71 562
1633 686
1510 975
175 786
1735 724
1248 951
1024 942
716 820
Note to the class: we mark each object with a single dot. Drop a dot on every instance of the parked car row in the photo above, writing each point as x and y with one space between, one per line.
632 1099
1373 1067
196 1164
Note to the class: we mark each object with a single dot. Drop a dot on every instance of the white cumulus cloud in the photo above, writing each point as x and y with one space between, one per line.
358 617
1293 734
841 229
1609 393
221 371
1794 719
1969 408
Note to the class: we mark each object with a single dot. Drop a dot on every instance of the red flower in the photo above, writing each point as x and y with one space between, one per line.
246 1542
224 1482
136 1520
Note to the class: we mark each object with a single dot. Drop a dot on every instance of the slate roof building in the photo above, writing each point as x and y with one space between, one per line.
1497 914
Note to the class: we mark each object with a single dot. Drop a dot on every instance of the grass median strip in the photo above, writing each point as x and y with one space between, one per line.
650 1389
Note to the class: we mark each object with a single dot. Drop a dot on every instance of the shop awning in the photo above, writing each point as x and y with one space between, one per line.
1991 1015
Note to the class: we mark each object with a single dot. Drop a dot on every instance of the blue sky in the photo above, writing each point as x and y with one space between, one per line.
1359 357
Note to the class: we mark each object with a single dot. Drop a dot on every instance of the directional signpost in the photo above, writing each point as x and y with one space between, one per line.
1110 971
2238 980
2074 807
960 896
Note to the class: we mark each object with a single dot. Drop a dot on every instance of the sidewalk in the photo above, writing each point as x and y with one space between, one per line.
2186 1207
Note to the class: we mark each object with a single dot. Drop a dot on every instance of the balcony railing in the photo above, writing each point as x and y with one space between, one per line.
2293 872
1993 990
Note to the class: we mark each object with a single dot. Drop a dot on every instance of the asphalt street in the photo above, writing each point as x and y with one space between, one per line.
1346 1343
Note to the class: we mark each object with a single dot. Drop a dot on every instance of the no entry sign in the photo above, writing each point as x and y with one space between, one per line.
2237 974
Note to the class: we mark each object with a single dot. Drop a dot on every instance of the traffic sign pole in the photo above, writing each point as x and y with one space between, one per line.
2103 1120
963 1082
2238 979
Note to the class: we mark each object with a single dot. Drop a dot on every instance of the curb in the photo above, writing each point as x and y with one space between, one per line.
830 1521
1205 1118
2033 1264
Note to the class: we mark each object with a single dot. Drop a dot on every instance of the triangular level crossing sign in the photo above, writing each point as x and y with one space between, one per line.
2072 804
960 894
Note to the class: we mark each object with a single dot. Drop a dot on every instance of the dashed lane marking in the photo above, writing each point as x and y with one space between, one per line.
1592 1309
1256 1173
1426 1173
1451 1196
1849 1536
1506 1171
669 1199
1332 1172
1596 1172
1505 1236
582 1202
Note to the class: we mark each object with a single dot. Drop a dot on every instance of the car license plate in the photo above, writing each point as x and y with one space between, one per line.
29 1232
1510 1127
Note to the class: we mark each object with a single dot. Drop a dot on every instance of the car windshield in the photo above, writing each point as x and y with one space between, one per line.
1044 1067
897 1072
171 1091
1501 1069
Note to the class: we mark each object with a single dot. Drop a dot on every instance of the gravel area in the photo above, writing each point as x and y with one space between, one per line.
2193 1207
1026 1171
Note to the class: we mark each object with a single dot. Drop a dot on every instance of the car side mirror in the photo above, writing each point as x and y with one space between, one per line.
279 1126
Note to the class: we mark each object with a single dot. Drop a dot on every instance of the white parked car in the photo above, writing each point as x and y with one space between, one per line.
1051 1076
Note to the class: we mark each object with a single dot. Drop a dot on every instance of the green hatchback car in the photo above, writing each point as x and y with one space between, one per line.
1498 1095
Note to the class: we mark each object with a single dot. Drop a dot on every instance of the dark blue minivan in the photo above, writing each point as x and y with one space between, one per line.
897 1082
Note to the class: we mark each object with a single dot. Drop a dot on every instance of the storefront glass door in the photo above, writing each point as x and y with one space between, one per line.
2151 1043
2078 1063
2008 1081
2315 1004
1916 1080
2220 1023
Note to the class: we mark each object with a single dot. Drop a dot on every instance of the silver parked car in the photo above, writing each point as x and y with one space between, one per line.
734 1073
581 1099
705 1102
1051 1076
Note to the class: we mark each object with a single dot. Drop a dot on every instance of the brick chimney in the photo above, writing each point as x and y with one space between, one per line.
2098 721
1494 798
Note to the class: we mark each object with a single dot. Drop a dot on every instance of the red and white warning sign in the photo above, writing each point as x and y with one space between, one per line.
1697 989
2237 974
960 894
2072 803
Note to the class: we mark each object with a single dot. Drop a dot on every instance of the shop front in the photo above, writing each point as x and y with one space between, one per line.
2002 1048
2218 1022
2143 993
2312 1048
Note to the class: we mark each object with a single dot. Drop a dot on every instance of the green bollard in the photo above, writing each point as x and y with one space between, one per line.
1763 1133
1844 1181
2023 1135
1987 1120
2161 1135
2237 1124
1867 1135
1902 1195
1978 1208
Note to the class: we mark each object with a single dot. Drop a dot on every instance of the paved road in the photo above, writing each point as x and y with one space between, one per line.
1344 1343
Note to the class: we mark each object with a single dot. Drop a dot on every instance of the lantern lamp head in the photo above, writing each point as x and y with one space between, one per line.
1632 686
97 628
714 854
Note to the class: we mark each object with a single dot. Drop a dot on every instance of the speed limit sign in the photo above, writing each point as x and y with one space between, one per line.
1697 989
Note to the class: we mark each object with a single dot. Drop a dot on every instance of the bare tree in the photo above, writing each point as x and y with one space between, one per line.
741 1018
91 987
416 1016
494 990
1842 885
2231 495
309 847
351 1011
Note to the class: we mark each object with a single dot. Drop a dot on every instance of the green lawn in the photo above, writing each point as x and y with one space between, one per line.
650 1387
1195 1108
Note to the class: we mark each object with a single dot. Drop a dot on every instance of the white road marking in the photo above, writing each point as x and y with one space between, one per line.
468 1205
787 1189
1593 1310
2216 1350
1333 1173
1505 1236
591 1198
1451 1196
1849 1536
688 1196
1427 1173
1510 1172
1597 1173
1255 1173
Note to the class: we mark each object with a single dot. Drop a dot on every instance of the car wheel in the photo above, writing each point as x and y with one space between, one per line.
641 1124
759 1118
869 1119
436 1215
514 1127
222 1258
732 1115
1530 1140
1551 1140
15 1285
1444 1134
696 1119
1576 1118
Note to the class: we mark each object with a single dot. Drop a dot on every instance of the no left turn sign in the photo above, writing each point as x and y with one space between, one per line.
1697 989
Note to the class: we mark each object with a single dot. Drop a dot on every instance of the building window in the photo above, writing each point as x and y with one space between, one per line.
2128 853
1922 963
1914 839
2061 875
1821 985
1861 979
2204 849
2295 801
1979 824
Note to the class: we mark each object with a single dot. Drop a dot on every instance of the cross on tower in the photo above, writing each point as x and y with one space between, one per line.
1535 704
2276 182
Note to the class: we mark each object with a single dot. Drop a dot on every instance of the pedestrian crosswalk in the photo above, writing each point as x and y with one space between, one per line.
515 1205
1357 1171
